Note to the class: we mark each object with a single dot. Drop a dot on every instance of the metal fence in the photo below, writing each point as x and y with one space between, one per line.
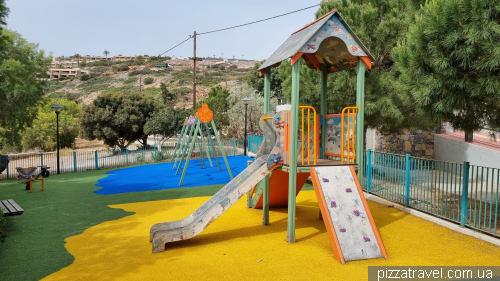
254 142
79 161
462 193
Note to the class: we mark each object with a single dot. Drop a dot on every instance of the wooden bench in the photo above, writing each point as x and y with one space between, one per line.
10 208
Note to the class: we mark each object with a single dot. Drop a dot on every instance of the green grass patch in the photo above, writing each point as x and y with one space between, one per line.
130 81
34 247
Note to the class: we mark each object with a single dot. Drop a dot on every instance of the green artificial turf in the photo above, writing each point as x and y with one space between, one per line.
35 248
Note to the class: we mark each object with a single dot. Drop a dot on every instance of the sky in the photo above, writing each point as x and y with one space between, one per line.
151 27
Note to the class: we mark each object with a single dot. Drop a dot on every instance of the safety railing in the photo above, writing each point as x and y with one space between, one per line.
80 161
306 143
348 146
462 193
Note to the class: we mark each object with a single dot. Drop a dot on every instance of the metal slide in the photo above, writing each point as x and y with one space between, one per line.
348 220
162 233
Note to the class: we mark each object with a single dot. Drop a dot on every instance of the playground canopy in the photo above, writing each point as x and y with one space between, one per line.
329 41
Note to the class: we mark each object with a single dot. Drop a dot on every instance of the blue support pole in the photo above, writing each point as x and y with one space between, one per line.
96 161
465 194
155 152
407 181
369 171
41 159
74 162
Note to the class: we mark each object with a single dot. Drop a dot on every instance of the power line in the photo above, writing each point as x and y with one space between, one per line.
222 29
174 47
257 21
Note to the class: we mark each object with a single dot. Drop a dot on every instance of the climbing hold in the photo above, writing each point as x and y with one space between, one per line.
325 180
366 239
342 230
356 212
348 190
333 204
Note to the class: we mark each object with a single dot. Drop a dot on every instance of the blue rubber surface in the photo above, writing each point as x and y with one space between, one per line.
161 176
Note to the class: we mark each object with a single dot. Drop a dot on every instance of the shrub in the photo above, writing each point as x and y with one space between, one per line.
123 67
130 81
85 77
134 73
148 80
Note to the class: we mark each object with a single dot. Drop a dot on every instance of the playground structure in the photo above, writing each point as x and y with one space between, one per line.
28 174
328 154
188 140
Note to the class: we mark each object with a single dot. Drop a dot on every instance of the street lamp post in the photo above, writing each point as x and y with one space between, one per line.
246 101
57 108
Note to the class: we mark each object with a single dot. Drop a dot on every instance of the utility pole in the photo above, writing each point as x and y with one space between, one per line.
194 70
222 56
140 83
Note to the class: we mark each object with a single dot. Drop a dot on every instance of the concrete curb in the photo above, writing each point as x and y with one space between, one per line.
442 222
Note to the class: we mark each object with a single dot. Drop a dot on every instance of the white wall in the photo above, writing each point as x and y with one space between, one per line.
451 150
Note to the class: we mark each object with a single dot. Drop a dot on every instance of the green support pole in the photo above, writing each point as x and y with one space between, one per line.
189 155
208 148
221 149
181 149
200 148
177 145
267 108
213 146
294 128
96 161
267 90
324 108
74 162
360 117
188 141
249 198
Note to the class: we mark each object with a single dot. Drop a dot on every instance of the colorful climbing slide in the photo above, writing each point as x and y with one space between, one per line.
349 223
162 233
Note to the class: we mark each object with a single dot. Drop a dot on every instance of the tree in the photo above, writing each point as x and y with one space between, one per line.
4 12
450 63
22 71
379 24
42 134
148 80
106 53
255 81
217 101
169 98
236 113
166 123
116 118
77 57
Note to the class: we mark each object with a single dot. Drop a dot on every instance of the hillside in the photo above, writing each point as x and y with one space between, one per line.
178 78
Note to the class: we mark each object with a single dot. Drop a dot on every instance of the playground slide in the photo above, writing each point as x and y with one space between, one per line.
162 233
348 220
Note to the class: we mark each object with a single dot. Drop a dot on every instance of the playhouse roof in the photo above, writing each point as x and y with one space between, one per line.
329 40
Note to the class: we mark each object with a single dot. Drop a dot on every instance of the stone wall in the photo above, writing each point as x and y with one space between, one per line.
417 143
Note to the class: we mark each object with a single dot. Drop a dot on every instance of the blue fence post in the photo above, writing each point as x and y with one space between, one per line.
96 161
234 148
368 171
407 181
126 154
74 162
465 194
41 159
7 167
155 152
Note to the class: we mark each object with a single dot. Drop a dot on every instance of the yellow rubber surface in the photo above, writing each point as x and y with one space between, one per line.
237 247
